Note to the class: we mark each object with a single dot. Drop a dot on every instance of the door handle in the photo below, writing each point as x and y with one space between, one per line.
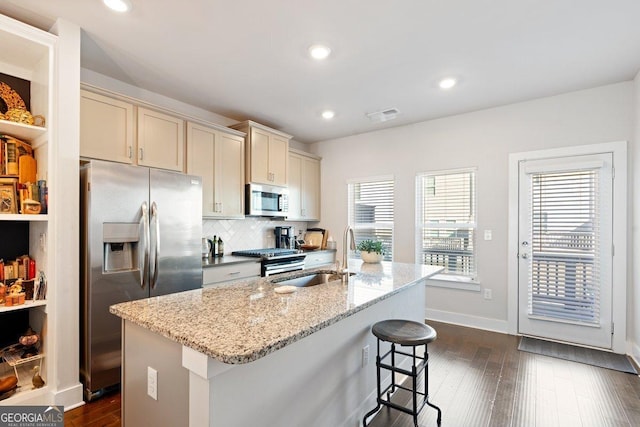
156 219
144 222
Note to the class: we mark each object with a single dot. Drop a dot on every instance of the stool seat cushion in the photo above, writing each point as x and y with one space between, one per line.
404 332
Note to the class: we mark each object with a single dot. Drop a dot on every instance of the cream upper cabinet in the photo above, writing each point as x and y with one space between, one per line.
217 156
118 131
266 154
304 187
160 140
106 128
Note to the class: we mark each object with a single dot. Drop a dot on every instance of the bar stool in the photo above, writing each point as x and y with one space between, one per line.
406 333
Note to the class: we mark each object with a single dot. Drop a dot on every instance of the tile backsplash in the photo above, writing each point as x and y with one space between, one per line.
247 233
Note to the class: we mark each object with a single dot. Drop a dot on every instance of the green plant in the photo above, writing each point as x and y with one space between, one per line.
371 246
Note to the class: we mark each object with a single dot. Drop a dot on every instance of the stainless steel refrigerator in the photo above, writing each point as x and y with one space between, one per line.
141 237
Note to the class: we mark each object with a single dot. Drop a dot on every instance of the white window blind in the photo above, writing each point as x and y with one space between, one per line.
371 211
446 203
564 273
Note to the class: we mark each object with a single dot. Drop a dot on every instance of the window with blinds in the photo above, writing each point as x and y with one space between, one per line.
371 211
446 221
564 273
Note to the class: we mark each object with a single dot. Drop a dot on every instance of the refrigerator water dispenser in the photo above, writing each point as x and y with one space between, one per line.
120 242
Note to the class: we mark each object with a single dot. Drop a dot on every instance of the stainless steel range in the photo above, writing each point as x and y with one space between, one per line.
276 260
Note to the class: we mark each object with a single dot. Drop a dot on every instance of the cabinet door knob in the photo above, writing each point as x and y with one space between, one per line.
130 152
141 154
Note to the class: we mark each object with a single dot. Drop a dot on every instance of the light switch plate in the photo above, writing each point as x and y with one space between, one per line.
152 383
487 235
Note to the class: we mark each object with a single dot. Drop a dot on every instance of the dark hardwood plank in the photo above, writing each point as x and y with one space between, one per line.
102 412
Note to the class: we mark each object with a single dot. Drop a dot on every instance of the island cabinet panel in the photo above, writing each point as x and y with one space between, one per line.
153 366
160 140
106 128
218 157
304 187
266 154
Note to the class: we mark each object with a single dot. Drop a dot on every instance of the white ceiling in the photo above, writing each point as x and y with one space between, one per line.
248 58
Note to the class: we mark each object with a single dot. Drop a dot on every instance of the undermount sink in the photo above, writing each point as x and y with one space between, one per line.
310 279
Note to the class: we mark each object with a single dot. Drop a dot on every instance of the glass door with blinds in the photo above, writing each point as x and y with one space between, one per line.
371 211
565 249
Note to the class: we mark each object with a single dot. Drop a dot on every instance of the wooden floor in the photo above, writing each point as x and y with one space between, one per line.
103 412
480 378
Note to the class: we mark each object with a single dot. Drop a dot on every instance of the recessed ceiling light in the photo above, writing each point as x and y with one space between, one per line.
319 52
328 115
118 5
447 83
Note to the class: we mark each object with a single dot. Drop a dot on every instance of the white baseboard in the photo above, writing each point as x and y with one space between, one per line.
500 326
70 397
485 323
634 352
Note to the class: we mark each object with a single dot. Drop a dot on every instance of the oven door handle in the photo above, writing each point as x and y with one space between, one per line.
284 269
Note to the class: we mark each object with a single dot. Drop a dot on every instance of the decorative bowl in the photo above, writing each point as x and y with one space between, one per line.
370 257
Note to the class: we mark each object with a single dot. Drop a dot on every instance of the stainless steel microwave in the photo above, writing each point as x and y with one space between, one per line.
266 200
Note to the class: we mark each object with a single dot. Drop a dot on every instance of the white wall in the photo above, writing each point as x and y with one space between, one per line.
482 139
634 273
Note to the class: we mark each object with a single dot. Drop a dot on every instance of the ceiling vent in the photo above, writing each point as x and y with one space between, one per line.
384 115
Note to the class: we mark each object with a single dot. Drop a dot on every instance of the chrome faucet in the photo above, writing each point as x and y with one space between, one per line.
344 271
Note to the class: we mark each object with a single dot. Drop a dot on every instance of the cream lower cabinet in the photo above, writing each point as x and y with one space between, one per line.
229 272
118 131
218 157
267 154
304 187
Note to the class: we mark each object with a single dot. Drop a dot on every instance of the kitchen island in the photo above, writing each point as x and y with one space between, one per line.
244 354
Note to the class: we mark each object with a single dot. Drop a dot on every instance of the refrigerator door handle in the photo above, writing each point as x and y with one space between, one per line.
144 223
156 220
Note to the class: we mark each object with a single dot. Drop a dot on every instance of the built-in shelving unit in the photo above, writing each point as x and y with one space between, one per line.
28 54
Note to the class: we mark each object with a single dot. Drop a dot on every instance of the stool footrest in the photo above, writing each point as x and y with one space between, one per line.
400 370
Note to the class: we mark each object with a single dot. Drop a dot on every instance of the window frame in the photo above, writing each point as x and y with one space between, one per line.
448 280
383 225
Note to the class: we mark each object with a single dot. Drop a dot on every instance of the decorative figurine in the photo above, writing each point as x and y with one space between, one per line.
37 380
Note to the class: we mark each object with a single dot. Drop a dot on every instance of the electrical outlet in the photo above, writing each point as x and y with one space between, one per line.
487 294
487 235
365 356
152 383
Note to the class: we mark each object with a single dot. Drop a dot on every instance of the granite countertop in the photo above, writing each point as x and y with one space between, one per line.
245 321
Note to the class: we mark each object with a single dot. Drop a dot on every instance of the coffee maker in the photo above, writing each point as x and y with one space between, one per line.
284 237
